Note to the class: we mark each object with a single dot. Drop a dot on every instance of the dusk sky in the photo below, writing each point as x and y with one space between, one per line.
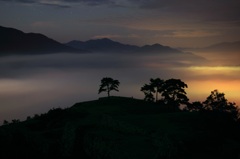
177 23
31 84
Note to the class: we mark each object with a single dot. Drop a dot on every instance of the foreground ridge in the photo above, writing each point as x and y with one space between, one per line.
120 127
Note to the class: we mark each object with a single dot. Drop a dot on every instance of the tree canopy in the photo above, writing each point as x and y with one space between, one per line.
217 102
108 84
172 91
154 86
148 90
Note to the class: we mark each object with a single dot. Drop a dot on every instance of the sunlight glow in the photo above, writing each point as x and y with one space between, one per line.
203 80
200 89
216 68
226 72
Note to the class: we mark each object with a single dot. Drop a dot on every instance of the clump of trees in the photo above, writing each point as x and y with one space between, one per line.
14 121
154 86
172 91
216 103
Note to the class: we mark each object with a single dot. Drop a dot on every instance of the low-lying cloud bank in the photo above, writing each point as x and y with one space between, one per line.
34 84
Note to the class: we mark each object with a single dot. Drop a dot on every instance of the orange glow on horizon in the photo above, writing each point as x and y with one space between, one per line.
204 79
215 68
200 90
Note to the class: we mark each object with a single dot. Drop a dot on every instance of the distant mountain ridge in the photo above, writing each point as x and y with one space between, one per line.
101 45
223 47
108 45
13 41
218 47
158 48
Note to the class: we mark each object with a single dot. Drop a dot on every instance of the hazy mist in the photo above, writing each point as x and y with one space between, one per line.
33 84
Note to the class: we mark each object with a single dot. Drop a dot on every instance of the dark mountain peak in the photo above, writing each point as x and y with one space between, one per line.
225 44
13 41
38 35
158 48
108 45
153 46
16 41
8 29
223 47
103 40
102 45
106 39
157 45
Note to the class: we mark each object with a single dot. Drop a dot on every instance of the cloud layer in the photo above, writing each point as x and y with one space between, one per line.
210 10
220 10
38 83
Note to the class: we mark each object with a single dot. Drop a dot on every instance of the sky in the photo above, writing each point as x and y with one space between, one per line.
185 23
34 84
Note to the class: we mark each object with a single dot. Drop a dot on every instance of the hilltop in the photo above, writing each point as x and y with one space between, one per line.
120 127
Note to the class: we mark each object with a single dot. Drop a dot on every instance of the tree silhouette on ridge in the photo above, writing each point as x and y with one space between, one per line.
173 92
108 84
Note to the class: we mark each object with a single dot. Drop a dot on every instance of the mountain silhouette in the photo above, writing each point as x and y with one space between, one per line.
13 41
158 48
102 45
108 45
17 42
224 46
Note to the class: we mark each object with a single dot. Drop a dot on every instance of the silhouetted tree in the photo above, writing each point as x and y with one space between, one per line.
108 84
28 118
36 116
5 122
173 92
154 86
217 102
14 121
194 106
148 90
157 86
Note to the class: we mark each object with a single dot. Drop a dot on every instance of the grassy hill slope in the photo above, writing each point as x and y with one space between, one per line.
118 127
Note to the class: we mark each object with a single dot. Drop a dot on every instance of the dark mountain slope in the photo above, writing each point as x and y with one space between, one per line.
102 45
18 42
13 41
108 45
158 48
226 46
222 47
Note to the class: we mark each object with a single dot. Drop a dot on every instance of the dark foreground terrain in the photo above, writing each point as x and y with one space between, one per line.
121 128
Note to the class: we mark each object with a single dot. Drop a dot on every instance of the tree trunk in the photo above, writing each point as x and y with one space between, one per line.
108 90
156 96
